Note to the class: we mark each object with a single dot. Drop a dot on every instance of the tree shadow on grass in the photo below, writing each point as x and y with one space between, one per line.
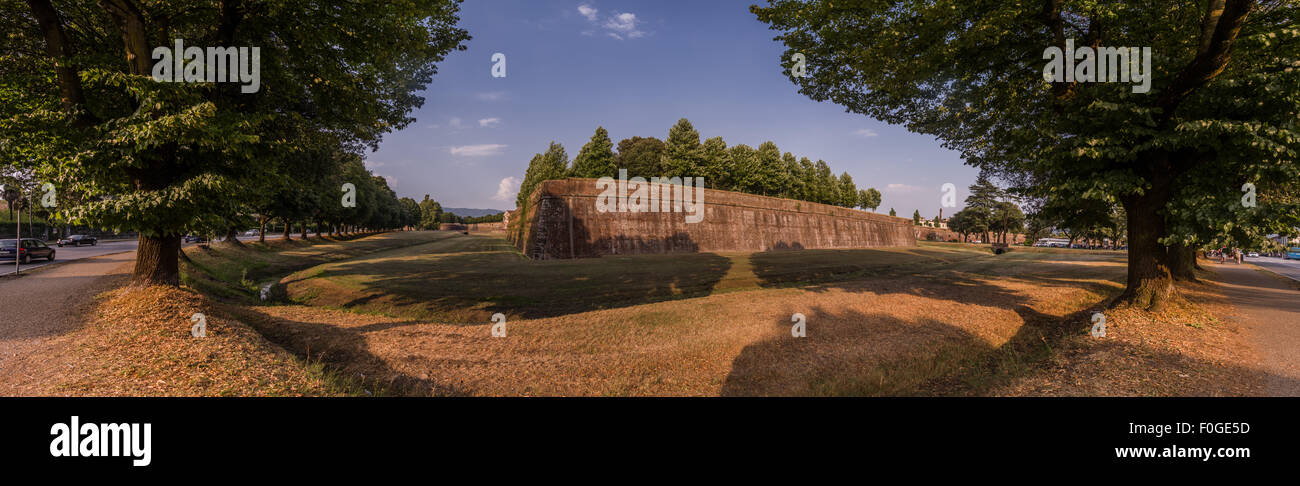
867 354
855 353
782 267
476 282
824 268
344 350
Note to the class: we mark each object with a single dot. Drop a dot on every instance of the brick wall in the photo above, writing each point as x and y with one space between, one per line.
561 221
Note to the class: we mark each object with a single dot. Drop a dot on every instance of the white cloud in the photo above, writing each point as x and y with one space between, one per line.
489 122
623 25
506 189
866 133
455 122
482 150
491 96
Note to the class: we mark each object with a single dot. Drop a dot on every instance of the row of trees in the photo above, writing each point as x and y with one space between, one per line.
764 170
309 194
988 212
78 108
490 218
1219 119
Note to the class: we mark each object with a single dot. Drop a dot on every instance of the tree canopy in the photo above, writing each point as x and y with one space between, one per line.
1221 110
79 106
763 171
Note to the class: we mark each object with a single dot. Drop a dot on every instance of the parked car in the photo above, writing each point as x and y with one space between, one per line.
78 240
31 248
251 233
1253 254
195 239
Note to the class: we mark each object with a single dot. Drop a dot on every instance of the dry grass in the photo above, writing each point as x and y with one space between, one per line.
469 278
940 319
236 271
1189 349
923 314
139 344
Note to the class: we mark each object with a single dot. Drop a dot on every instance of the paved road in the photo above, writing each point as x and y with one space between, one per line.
39 310
1270 315
1288 268
71 253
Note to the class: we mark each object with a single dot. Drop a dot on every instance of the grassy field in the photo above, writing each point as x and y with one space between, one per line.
937 319
137 341
468 278
409 314
238 271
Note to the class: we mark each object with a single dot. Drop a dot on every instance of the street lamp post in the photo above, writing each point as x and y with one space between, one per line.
12 197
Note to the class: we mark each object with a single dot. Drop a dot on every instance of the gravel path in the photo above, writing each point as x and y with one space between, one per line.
1270 315
37 311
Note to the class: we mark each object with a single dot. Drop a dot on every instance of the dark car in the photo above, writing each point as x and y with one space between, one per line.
31 248
195 239
78 240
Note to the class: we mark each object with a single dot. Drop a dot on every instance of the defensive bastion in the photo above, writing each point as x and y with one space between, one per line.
561 220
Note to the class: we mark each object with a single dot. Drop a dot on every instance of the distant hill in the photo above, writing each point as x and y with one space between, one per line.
471 212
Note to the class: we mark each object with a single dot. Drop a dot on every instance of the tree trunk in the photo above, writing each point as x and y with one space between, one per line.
59 49
232 237
1150 279
1182 263
304 230
156 261
288 229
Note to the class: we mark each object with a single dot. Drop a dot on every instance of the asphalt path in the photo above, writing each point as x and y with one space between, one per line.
103 247
1269 311
73 253
1286 268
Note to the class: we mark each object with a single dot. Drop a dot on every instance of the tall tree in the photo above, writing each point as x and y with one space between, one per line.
744 161
641 156
767 173
827 189
715 164
848 196
156 157
430 213
682 157
552 164
596 159
971 74
794 187
869 198
1007 219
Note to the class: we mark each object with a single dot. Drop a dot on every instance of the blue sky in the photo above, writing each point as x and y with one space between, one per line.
635 68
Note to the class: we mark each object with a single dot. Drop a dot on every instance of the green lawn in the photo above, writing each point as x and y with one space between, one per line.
470 277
